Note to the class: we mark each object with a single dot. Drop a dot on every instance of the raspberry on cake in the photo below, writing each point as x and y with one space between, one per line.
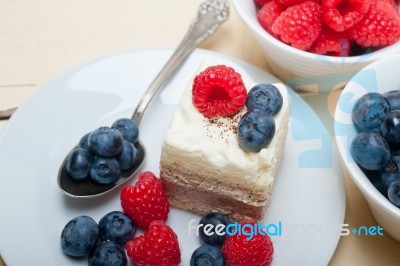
203 167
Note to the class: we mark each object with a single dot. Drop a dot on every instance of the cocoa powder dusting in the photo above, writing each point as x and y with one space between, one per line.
224 125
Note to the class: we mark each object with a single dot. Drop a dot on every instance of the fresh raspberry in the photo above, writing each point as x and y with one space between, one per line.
379 27
394 3
158 246
299 25
218 91
294 2
331 42
262 1
256 251
145 201
341 15
268 14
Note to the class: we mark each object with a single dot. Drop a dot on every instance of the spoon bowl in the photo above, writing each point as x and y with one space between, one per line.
88 189
211 14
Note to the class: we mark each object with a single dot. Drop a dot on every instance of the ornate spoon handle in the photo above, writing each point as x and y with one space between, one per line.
6 114
211 14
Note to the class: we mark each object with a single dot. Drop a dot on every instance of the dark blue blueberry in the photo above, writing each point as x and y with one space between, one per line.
105 171
84 142
78 163
369 112
118 227
265 97
207 256
370 151
106 142
79 236
209 232
128 156
255 130
391 129
375 177
128 129
394 193
390 173
393 98
107 253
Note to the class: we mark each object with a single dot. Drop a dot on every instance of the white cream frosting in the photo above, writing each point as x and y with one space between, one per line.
193 138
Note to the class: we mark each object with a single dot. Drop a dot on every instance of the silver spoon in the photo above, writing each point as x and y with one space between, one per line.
211 14
6 114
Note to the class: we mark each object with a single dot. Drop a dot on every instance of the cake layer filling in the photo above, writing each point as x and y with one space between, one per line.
202 199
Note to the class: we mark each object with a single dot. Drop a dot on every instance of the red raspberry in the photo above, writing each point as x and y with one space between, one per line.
145 201
394 4
218 91
331 42
158 246
379 27
262 1
299 25
254 252
294 2
341 15
268 14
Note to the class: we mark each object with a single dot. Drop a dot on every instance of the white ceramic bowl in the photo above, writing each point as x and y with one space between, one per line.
380 76
303 70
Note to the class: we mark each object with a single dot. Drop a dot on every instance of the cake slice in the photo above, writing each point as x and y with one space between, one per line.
203 166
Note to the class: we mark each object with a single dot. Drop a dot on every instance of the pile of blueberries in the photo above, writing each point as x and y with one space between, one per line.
210 252
256 128
376 148
104 153
103 243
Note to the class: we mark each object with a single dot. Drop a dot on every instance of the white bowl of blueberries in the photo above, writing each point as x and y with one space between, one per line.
367 133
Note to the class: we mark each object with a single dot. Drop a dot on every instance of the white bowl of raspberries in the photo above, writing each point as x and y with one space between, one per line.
367 133
319 45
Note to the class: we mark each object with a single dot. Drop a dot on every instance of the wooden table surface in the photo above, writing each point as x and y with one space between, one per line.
41 39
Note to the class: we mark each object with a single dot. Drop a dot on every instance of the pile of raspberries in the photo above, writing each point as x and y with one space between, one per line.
332 27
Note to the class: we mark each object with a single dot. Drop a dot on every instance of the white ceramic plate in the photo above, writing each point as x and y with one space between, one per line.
309 199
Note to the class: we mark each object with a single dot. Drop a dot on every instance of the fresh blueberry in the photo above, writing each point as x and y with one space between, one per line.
391 128
128 156
107 253
390 173
207 256
375 177
265 97
79 236
105 171
393 98
255 130
78 163
370 151
394 193
128 129
84 142
118 227
369 112
209 232
106 142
